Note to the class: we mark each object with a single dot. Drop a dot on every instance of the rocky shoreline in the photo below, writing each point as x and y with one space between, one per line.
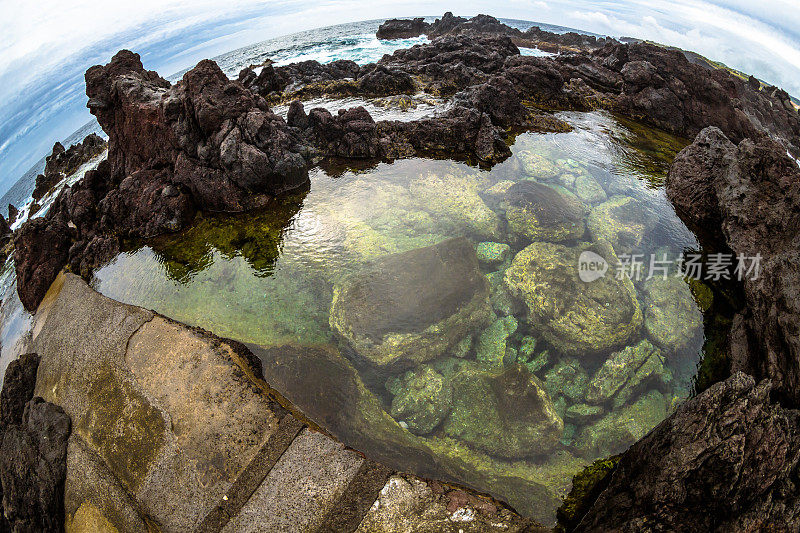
208 143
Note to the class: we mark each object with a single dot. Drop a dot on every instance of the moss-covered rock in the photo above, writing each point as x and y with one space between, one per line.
586 487
621 221
620 428
499 189
506 414
536 165
491 346
587 189
492 253
618 370
574 316
422 400
536 211
581 413
412 306
502 302
671 316
567 378
453 200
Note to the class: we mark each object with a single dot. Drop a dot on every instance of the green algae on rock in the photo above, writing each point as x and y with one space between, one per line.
671 316
567 378
507 414
453 199
574 316
624 371
537 166
537 211
622 221
412 306
619 429
492 253
490 349
422 400
586 486
588 189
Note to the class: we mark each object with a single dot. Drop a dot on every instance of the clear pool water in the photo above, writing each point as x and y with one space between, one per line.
434 316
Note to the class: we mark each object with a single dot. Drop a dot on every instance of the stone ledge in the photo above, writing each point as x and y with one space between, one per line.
176 431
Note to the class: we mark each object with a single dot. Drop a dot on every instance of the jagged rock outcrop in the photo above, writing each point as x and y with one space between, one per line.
205 143
63 162
33 453
293 76
5 228
402 28
658 86
726 460
747 197
485 24
221 146
453 62
41 249
13 213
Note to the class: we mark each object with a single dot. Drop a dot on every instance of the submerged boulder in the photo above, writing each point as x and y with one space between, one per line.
422 400
491 346
621 428
452 199
537 166
567 378
412 306
508 414
671 316
625 371
537 211
621 221
573 315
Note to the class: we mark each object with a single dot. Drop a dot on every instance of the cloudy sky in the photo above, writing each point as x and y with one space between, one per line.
47 45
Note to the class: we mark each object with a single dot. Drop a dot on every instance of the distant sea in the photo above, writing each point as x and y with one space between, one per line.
355 41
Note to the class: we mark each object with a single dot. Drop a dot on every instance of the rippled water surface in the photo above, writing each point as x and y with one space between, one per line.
433 314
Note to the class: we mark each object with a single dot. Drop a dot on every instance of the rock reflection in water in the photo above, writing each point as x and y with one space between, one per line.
430 314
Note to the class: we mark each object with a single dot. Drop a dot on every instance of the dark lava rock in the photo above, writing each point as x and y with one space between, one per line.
33 464
211 134
402 28
351 133
454 61
294 76
747 197
33 453
460 132
13 213
382 81
208 139
726 460
41 249
61 163
445 24
5 228
18 385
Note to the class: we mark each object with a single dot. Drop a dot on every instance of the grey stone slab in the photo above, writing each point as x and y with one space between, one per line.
302 488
